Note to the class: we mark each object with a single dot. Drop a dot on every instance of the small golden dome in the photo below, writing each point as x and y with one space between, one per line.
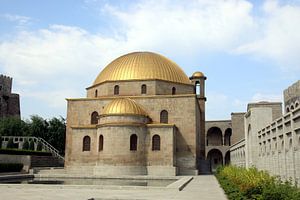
142 66
123 106
198 75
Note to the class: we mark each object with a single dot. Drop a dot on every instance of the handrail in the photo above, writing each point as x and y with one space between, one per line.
45 144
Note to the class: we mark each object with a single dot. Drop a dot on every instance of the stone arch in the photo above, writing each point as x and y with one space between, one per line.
292 107
215 158
133 142
164 116
144 89
101 142
94 117
214 137
287 109
86 143
156 143
296 104
227 158
173 90
227 137
116 90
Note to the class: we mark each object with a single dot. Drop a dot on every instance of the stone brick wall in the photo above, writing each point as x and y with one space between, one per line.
237 121
291 97
133 88
9 102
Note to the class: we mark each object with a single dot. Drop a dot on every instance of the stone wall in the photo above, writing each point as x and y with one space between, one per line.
181 109
237 122
133 88
291 97
238 154
9 102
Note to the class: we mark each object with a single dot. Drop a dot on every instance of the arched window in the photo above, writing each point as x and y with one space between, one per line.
86 145
173 90
296 105
96 93
155 143
116 90
164 116
287 109
133 142
101 143
94 118
144 89
292 107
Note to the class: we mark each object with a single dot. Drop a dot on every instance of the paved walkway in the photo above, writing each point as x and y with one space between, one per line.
204 187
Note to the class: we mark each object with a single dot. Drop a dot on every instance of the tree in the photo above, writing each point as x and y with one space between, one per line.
13 126
57 133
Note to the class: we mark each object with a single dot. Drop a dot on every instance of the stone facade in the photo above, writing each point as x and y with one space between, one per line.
291 97
180 132
9 102
272 140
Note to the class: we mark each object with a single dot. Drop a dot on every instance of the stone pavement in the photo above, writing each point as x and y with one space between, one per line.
204 187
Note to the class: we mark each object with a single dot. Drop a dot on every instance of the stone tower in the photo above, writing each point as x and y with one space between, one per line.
198 79
9 102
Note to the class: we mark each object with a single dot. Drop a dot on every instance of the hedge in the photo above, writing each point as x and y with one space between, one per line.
24 152
11 167
242 184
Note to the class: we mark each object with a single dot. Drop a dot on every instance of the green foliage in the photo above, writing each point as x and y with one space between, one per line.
25 145
39 146
11 167
24 152
10 144
53 130
31 145
240 183
12 126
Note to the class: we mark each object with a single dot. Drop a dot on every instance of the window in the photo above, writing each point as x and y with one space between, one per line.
96 93
144 89
133 142
116 90
86 143
292 107
287 109
173 90
101 143
296 105
164 116
155 143
94 118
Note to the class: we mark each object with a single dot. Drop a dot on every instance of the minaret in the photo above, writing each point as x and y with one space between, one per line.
198 79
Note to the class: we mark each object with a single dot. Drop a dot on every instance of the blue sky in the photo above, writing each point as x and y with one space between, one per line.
249 50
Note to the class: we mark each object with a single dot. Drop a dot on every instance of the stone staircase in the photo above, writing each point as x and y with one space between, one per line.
46 161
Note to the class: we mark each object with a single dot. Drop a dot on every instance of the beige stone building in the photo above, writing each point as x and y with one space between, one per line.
272 139
142 116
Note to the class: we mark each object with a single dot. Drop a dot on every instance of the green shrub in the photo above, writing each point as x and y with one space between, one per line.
10 144
241 183
11 167
39 146
25 145
24 152
31 145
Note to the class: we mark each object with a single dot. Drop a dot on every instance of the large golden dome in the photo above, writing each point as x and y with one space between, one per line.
142 66
123 106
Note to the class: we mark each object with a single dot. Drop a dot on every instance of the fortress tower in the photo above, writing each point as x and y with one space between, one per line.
9 102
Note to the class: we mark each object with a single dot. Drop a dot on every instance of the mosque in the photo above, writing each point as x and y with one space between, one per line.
142 116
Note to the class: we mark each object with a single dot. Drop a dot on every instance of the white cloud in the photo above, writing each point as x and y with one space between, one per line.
279 36
266 97
65 58
20 20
